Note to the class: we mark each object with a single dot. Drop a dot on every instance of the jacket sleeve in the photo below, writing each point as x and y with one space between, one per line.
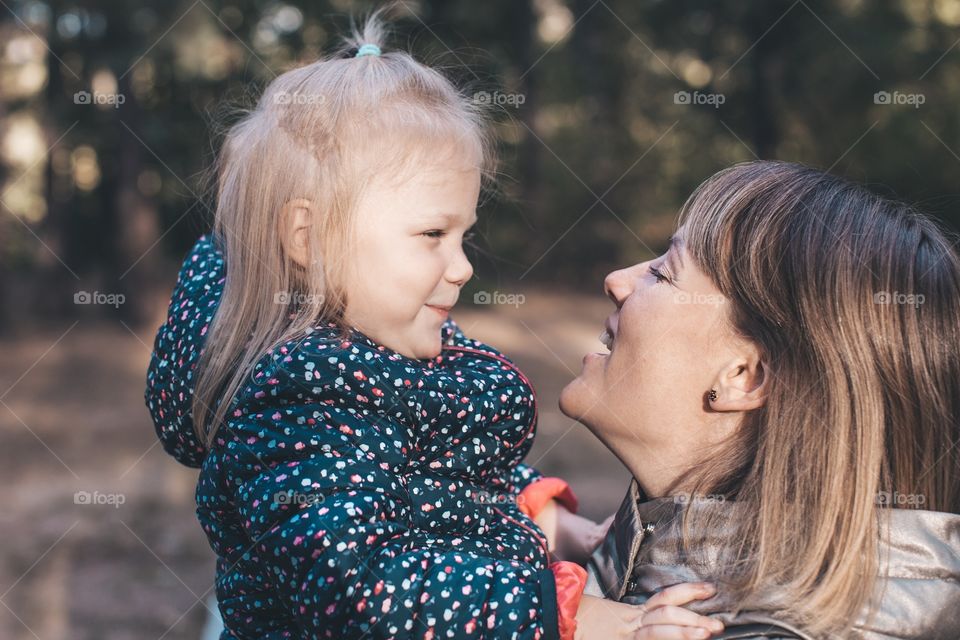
333 525
177 348
521 477
530 488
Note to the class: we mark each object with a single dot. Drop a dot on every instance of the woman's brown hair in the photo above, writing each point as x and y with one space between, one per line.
854 303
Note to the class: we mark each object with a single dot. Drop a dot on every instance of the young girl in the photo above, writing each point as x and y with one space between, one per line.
360 456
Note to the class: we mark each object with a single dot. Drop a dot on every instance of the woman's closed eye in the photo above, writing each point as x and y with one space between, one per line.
656 273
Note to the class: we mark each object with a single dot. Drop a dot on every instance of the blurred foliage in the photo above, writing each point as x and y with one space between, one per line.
613 111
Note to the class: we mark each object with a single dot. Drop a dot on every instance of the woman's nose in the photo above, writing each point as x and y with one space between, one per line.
618 285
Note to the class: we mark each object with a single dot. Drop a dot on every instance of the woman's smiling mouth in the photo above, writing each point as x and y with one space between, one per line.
609 333
607 339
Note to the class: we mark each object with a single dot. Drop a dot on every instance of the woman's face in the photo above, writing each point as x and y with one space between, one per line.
646 396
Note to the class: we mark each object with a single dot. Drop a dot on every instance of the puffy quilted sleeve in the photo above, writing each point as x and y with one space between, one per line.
177 348
521 476
531 488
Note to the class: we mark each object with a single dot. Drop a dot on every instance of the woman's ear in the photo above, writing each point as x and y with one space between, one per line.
741 386
295 222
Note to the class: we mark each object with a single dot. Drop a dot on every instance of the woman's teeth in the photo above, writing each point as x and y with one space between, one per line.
607 340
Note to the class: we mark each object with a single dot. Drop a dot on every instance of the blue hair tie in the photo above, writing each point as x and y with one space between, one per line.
368 50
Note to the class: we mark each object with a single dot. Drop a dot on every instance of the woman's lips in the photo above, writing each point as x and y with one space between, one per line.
594 356
609 334
606 339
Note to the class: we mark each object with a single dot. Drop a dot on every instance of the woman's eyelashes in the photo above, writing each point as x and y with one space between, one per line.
658 275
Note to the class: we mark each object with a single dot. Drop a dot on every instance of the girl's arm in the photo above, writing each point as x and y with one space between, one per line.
177 348
552 505
531 490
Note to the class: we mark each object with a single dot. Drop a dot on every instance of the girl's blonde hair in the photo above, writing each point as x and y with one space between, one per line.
854 303
321 132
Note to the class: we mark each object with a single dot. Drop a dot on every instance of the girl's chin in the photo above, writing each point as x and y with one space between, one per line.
420 341
428 354
428 348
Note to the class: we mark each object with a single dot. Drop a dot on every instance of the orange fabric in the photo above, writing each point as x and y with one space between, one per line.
537 494
571 578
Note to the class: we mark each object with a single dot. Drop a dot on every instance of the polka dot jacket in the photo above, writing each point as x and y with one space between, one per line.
357 493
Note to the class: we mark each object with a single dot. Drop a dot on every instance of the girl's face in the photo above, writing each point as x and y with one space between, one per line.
410 266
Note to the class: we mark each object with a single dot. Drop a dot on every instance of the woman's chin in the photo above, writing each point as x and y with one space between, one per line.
572 399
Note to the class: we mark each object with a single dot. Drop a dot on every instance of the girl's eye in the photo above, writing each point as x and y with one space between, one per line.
657 274
435 233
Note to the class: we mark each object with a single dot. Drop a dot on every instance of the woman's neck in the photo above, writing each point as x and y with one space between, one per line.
655 471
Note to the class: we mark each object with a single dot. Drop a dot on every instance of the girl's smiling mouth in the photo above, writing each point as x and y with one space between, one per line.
442 310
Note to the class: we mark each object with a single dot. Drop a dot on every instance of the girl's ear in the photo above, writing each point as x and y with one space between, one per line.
295 222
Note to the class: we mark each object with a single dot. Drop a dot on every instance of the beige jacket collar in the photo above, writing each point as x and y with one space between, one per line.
919 595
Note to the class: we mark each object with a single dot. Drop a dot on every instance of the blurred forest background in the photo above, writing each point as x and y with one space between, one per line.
609 113
599 150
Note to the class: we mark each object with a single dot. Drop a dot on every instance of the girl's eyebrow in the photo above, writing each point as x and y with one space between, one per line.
446 216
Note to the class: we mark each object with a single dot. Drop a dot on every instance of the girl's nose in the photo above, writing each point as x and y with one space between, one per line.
459 270
618 285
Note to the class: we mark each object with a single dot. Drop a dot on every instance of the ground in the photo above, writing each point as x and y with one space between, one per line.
132 562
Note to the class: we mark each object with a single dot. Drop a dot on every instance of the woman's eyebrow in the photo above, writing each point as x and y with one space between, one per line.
673 252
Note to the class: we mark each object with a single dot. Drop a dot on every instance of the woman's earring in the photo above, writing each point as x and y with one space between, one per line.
712 395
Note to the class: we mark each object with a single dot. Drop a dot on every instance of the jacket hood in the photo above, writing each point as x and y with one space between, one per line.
918 590
177 348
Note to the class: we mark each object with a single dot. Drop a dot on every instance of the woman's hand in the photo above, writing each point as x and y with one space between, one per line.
569 536
662 617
